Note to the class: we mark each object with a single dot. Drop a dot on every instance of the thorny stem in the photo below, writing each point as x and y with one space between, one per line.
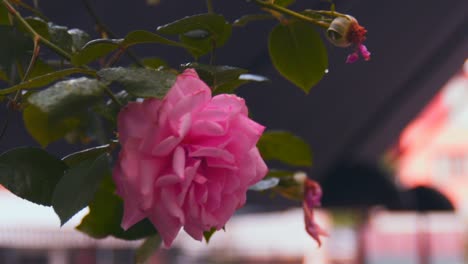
213 52
33 10
33 32
40 39
289 12
116 56
25 77
5 125
36 50
112 96
209 6
103 28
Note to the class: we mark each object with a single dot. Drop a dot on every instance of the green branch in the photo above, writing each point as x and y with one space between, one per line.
112 96
33 32
289 12
102 28
33 60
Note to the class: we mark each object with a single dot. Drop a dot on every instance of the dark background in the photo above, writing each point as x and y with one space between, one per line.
356 112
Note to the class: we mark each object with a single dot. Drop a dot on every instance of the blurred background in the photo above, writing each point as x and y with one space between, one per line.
389 137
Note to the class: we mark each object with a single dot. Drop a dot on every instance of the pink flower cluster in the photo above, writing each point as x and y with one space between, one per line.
357 35
187 160
362 50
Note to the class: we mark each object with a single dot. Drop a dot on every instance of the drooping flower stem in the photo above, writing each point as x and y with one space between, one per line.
34 33
291 13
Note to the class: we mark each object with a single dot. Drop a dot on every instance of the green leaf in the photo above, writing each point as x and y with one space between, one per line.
265 184
222 78
106 211
59 36
70 40
109 110
77 187
146 250
31 173
285 147
69 95
60 109
140 82
45 129
87 154
39 25
43 80
208 234
79 39
14 47
40 68
212 23
284 3
279 173
95 49
204 32
101 47
142 37
153 63
197 34
246 19
4 20
215 75
298 53
3 76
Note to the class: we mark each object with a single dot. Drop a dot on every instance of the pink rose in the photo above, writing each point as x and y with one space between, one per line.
187 160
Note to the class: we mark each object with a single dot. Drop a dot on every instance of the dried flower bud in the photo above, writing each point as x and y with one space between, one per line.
345 31
338 30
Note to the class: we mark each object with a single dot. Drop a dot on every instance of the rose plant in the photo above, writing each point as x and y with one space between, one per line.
182 146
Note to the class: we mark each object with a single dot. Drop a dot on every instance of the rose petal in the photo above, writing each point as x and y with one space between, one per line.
167 179
229 104
131 122
178 163
186 85
207 128
166 146
199 151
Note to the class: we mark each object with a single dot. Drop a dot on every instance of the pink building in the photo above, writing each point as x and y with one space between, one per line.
433 149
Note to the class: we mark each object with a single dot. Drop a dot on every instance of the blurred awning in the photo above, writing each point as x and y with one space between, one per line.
26 225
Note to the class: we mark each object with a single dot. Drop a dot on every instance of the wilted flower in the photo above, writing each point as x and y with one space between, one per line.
187 160
312 196
345 31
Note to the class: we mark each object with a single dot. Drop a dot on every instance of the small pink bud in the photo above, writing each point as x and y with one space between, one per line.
352 58
364 52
